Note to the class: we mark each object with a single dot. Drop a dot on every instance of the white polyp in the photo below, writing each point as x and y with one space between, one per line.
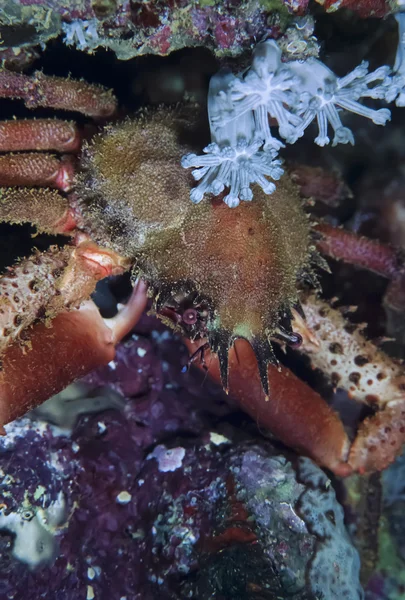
82 34
243 150
398 87
399 66
35 530
235 158
266 58
323 93
268 90
360 72
322 138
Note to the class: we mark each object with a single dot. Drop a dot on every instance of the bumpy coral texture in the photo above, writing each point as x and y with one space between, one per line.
134 28
244 263
364 8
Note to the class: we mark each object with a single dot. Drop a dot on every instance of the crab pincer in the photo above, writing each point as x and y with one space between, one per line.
54 353
293 412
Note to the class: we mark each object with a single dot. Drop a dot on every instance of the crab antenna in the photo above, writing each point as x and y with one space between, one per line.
288 336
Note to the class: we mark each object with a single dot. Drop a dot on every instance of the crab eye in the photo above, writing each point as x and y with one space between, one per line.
295 340
190 316
27 515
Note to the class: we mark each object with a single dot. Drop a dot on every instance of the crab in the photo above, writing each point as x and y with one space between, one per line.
232 281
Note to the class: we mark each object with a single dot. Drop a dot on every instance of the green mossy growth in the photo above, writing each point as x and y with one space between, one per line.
243 262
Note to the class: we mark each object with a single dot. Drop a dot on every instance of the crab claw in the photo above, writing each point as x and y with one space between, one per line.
294 413
366 373
76 342
379 439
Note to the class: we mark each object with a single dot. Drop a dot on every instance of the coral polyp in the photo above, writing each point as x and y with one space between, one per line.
293 94
242 264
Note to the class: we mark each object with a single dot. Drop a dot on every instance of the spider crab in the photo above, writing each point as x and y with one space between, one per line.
128 205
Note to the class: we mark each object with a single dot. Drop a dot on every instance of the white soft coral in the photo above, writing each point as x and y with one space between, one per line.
243 150
234 159
82 34
268 90
322 94
397 89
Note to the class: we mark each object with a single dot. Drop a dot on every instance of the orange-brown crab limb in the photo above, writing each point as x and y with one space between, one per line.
39 134
294 413
37 169
46 209
370 376
58 92
51 282
363 252
73 344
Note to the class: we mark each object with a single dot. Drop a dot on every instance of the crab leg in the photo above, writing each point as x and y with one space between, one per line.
27 288
39 134
369 254
295 413
58 92
75 343
37 169
368 375
47 209
349 247
49 283
320 185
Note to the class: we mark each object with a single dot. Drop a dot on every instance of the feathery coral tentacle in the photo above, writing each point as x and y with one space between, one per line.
322 93
234 159
268 90
243 150
396 91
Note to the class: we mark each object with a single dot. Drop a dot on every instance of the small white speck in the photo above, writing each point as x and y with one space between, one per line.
217 439
141 482
8 480
168 459
91 573
141 352
75 447
39 492
112 364
161 337
82 34
101 427
124 498
90 593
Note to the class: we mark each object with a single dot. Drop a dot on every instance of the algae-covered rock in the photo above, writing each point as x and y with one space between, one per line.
133 28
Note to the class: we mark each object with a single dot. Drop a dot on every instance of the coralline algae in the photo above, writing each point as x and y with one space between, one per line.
132 28
148 498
